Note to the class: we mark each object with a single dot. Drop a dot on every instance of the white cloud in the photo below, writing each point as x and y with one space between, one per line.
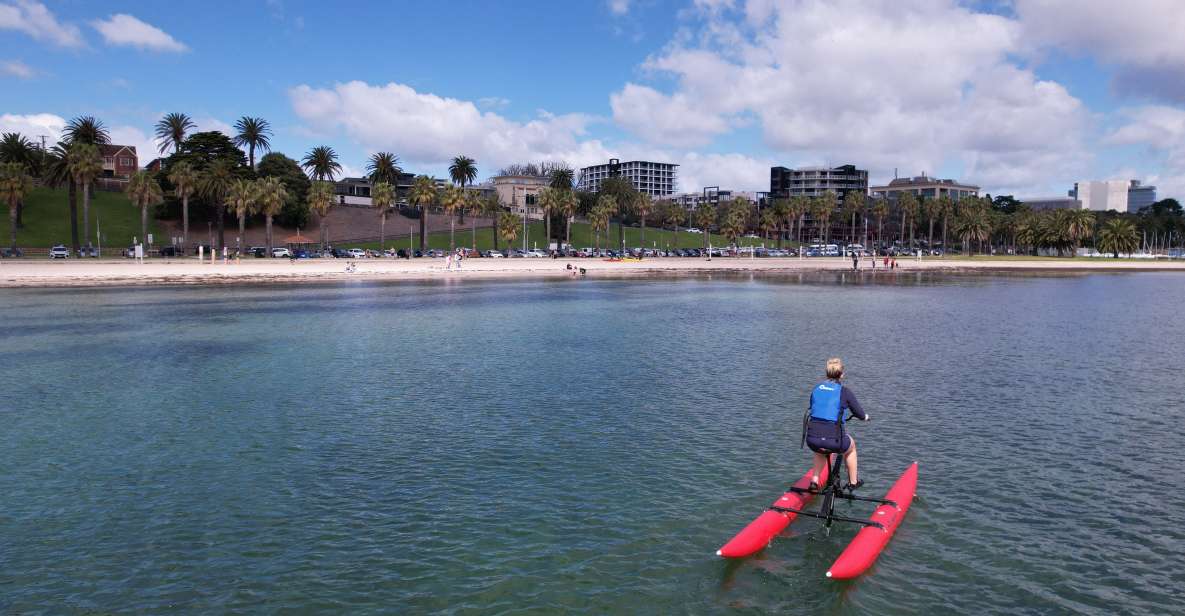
207 123
123 29
619 7
921 85
34 19
431 129
493 102
16 68
34 125
1161 130
1139 38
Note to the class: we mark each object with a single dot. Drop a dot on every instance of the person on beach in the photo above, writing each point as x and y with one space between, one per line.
855 261
824 430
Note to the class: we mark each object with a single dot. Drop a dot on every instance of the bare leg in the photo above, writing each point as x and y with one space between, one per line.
850 459
820 464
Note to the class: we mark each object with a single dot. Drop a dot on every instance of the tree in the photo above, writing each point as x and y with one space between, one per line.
550 201
908 202
82 129
945 208
599 217
14 148
782 214
768 223
507 227
253 133
85 165
294 212
201 150
462 172
15 184
382 196
452 199
1117 236
170 131
561 178
623 193
568 204
800 206
1079 225
643 205
184 180
974 225
704 216
880 209
321 163
821 208
383 167
143 191
853 204
214 185
272 194
242 199
423 194
320 202
933 209
675 215
733 222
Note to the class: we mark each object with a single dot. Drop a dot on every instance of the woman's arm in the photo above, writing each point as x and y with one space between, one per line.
848 400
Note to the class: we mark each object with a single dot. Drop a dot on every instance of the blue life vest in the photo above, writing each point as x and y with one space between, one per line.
826 402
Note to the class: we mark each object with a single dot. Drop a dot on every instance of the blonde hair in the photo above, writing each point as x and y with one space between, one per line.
834 368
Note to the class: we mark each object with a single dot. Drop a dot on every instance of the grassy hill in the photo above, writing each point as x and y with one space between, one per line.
47 220
582 236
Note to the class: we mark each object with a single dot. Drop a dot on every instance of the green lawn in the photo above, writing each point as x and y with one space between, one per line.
47 220
581 236
1026 258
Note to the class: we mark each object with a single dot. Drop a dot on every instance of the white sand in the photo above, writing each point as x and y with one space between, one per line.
75 272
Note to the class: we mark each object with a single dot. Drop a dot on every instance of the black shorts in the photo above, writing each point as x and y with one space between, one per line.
827 437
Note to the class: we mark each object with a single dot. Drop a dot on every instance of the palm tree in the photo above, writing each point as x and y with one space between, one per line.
800 206
272 195
1117 236
383 167
321 163
974 225
423 193
853 203
561 178
184 180
143 191
568 204
600 215
14 148
253 133
1079 226
781 213
675 215
452 199
550 202
945 208
705 215
171 129
214 184
320 200
489 206
82 129
507 227
462 172
382 195
15 183
243 201
768 223
85 165
908 202
880 209
821 208
643 205
733 222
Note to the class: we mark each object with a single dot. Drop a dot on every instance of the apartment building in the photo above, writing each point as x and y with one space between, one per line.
813 181
925 187
653 178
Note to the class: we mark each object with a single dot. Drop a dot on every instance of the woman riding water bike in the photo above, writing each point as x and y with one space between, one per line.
824 430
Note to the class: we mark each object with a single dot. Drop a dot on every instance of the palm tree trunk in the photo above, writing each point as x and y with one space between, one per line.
452 229
86 213
944 249
144 226
221 225
473 228
12 218
383 232
930 236
495 230
20 214
242 224
185 223
568 230
902 234
74 217
621 231
423 227
547 217
269 235
251 154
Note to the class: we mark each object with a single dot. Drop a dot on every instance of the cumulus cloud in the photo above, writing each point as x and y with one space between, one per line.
16 68
918 85
34 19
619 7
126 30
34 125
1161 130
1139 38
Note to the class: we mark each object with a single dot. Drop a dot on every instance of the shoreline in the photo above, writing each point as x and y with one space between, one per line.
26 274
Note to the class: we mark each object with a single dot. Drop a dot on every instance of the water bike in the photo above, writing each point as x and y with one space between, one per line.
863 550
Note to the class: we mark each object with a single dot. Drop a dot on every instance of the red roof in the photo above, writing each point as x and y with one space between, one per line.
114 150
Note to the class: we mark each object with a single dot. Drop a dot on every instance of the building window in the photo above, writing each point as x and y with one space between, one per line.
125 161
109 160
530 199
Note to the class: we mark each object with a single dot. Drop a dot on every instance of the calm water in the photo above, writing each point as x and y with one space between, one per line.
585 446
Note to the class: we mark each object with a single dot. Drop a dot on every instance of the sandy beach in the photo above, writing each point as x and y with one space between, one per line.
46 273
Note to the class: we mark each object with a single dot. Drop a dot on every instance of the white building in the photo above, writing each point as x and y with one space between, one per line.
520 193
654 179
1100 196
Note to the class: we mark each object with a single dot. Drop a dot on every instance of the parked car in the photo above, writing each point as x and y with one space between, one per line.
90 251
694 230
167 251
356 253
259 251
536 254
419 253
493 254
11 253
281 253
59 252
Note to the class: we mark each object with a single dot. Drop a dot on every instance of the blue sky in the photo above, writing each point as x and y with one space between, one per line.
1023 96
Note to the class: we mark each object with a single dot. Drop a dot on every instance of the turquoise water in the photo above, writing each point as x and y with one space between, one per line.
585 446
